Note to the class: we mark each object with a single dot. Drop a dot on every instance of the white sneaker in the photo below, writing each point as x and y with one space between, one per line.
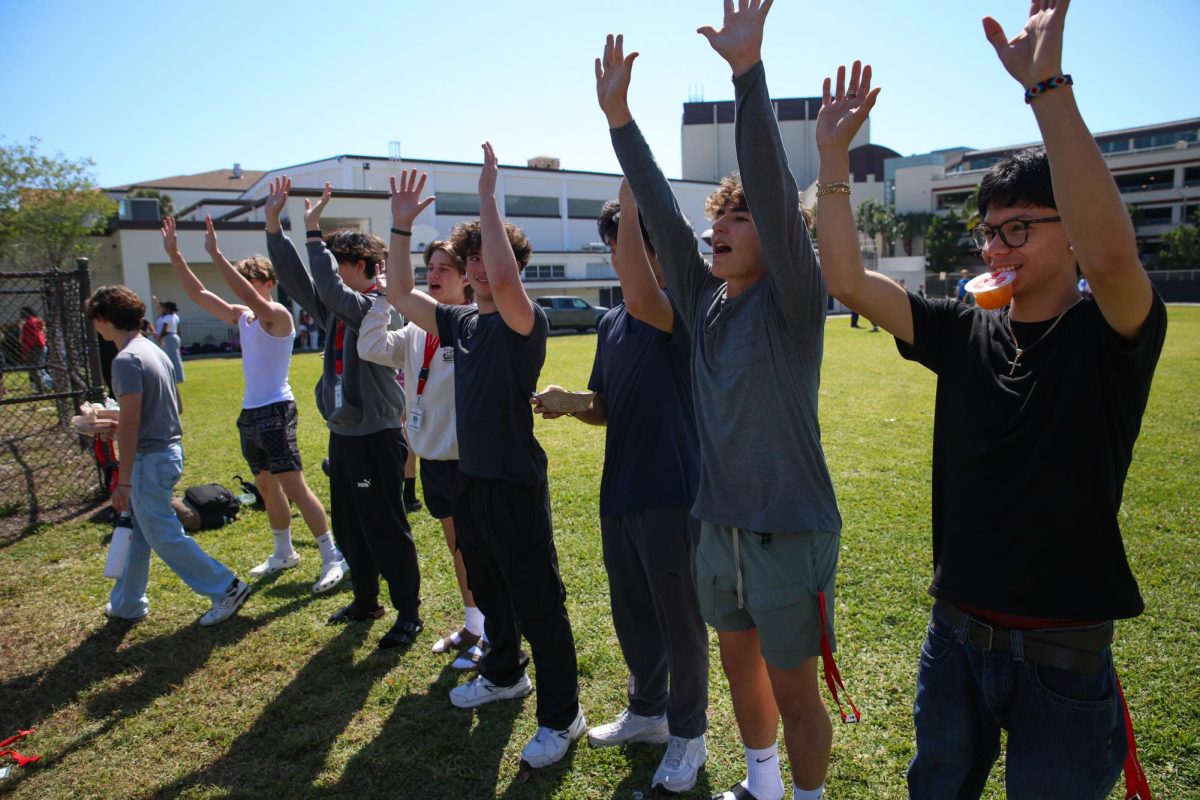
480 691
331 575
108 612
549 746
275 564
628 728
227 604
683 759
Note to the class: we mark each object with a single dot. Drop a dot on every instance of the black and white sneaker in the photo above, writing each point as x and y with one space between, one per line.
549 746
227 604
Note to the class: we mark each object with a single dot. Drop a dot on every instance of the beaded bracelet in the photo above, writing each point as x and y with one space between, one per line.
1055 82
834 187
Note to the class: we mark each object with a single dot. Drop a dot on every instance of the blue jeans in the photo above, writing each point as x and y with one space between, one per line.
155 527
1066 730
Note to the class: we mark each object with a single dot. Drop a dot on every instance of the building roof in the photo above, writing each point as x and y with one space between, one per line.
216 180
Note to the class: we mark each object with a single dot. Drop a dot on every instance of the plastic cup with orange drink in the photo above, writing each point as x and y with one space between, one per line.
992 290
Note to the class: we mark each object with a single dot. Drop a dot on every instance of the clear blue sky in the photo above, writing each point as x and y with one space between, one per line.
149 90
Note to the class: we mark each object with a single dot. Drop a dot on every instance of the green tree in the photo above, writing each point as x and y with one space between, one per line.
910 225
874 219
943 243
49 207
1181 247
166 207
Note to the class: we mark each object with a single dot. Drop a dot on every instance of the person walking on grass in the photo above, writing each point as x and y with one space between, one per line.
641 377
429 399
1046 397
502 500
770 524
363 407
267 424
149 442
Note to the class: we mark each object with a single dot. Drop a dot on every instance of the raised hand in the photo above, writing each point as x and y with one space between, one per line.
844 111
170 240
739 41
277 194
210 238
487 175
1035 54
312 213
406 198
613 73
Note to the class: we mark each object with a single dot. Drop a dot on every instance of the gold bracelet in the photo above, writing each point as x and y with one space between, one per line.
835 187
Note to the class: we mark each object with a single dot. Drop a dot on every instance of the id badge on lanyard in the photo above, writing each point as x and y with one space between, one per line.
337 393
415 415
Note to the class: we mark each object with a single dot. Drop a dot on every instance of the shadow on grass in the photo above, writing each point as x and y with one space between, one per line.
160 664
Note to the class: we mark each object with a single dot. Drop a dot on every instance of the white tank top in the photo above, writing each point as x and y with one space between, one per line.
265 363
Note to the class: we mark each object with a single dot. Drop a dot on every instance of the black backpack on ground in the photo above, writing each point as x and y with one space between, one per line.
213 502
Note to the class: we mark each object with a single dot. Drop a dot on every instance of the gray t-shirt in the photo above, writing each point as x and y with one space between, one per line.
143 368
756 358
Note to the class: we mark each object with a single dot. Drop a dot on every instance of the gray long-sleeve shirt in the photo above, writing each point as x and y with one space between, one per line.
371 399
756 358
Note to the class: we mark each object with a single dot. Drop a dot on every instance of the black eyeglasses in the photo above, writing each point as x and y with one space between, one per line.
1014 233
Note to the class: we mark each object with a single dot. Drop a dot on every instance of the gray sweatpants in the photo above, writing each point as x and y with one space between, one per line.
650 557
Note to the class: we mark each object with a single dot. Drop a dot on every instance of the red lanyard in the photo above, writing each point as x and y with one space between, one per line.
432 344
1136 785
339 337
6 749
833 678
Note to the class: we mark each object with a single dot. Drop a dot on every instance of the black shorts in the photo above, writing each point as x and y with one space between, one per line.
269 438
437 484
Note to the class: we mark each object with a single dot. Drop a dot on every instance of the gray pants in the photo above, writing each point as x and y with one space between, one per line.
650 557
170 345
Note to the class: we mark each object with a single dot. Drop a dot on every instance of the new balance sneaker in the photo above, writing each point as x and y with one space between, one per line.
227 604
677 771
275 564
479 691
629 728
549 746
332 573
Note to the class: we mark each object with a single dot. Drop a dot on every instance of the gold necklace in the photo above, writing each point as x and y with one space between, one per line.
1023 350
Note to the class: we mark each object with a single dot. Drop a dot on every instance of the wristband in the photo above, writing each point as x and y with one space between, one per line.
315 233
400 232
834 187
1054 82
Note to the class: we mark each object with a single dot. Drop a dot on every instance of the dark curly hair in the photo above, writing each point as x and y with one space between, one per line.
117 305
352 245
609 222
467 240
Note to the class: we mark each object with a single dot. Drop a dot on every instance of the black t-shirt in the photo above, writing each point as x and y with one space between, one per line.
495 373
1028 469
651 454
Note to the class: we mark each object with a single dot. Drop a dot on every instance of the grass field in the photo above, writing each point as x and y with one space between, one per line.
274 704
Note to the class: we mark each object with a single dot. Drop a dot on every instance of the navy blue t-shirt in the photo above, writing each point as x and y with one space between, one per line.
495 373
651 453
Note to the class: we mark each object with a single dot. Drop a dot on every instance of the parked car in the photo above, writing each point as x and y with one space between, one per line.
571 312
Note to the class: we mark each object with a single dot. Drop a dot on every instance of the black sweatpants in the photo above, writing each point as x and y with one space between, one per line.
650 557
366 487
506 538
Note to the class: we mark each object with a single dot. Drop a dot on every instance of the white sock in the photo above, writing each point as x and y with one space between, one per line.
808 794
474 621
762 773
283 542
329 550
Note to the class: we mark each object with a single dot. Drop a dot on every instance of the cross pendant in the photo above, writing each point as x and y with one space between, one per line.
1013 364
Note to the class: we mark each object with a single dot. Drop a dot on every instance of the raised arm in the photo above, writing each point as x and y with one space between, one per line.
875 296
332 291
503 274
289 269
644 297
771 193
1084 192
191 284
414 306
276 319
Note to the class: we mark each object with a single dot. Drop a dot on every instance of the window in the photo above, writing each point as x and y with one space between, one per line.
583 209
463 203
1114 146
599 271
521 205
545 272
1145 181
420 274
1159 215
1191 176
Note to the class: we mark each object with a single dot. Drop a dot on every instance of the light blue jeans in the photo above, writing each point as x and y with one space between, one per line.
155 527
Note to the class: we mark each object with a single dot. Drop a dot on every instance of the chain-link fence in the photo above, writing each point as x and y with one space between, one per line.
49 364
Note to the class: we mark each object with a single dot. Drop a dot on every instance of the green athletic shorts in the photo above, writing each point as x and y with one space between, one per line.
781 574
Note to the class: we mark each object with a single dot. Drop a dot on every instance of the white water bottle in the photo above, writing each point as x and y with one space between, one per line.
118 548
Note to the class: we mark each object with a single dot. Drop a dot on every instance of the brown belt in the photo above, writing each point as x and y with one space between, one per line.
1079 650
